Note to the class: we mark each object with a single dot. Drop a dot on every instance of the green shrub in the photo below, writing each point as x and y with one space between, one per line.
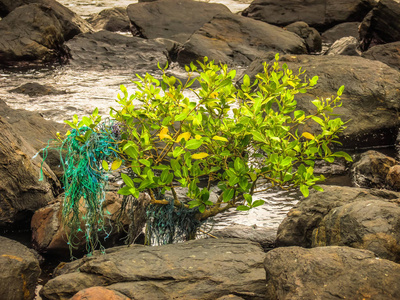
236 137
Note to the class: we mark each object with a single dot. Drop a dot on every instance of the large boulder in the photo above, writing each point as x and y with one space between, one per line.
111 19
106 49
19 271
370 98
320 14
70 22
98 293
372 169
387 53
373 225
31 33
171 19
34 129
330 273
297 228
21 190
381 25
200 269
340 31
236 40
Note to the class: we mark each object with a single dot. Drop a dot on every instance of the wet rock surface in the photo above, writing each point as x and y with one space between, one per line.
106 49
164 19
330 273
369 104
371 169
201 269
236 40
113 19
387 53
22 193
320 14
297 228
19 271
372 225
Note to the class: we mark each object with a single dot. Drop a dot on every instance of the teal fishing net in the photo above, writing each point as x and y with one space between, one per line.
85 181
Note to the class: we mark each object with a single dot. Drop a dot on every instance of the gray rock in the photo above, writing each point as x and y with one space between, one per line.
262 235
165 18
19 271
297 228
105 49
320 14
21 191
200 269
236 40
70 22
381 25
330 273
345 46
371 169
310 35
372 225
339 31
112 19
387 53
370 98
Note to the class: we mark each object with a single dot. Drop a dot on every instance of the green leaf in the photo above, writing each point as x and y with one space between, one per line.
258 203
239 164
343 154
104 164
164 175
181 117
340 91
242 208
317 188
128 181
304 190
248 198
193 144
124 191
228 195
243 183
145 162
225 153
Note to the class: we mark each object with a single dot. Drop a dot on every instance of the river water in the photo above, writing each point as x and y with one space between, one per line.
88 89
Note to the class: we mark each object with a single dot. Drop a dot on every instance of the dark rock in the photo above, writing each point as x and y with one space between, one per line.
21 191
98 293
345 46
31 33
35 89
330 273
35 130
49 236
372 225
262 235
371 169
105 49
236 40
112 19
320 14
310 35
386 53
164 18
297 228
381 25
19 271
393 178
200 269
340 31
370 97
70 22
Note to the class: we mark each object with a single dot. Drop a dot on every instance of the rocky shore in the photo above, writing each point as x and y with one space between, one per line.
343 243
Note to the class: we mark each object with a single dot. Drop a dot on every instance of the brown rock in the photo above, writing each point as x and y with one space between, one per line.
98 293
330 273
393 178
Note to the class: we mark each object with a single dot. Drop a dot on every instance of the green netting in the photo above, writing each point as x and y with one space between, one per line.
85 181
